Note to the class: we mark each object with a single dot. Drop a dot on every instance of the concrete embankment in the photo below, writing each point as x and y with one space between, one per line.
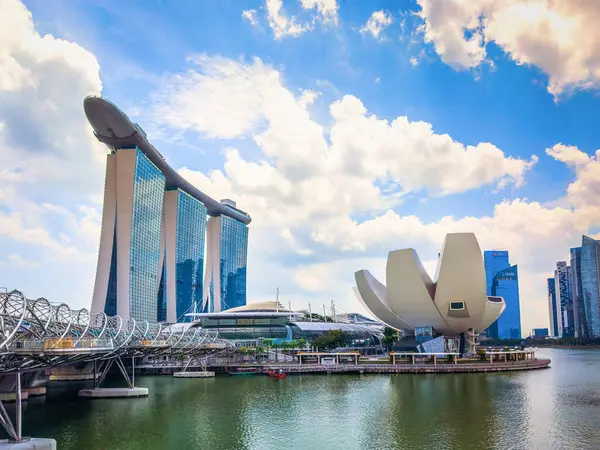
366 368
416 368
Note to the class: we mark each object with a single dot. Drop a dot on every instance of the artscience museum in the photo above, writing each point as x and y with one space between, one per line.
453 305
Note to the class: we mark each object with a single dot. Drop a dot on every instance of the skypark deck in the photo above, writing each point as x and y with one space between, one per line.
113 128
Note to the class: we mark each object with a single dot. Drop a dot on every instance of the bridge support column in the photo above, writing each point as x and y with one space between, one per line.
130 391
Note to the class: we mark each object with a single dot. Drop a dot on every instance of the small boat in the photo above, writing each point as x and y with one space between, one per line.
280 375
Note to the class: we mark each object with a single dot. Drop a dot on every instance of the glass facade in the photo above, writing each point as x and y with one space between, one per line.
280 328
506 285
494 261
234 256
189 253
553 307
590 284
580 322
146 222
423 334
564 285
503 281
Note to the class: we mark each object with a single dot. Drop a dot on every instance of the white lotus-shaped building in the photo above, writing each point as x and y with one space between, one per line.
455 303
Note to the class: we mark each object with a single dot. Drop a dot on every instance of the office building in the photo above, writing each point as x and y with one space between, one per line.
579 319
590 285
564 299
154 231
502 280
553 308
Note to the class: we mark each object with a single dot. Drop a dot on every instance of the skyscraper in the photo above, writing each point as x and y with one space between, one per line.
225 281
590 284
564 299
580 321
154 223
503 281
553 308
183 241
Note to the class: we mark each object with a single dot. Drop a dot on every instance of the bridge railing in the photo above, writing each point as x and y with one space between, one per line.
41 326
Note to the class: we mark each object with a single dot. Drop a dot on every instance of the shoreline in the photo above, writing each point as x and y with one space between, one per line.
297 369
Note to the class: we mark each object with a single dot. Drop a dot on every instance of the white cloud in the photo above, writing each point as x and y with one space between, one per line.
250 16
378 21
413 61
364 148
584 192
283 24
568 154
327 9
50 158
559 37
309 184
44 136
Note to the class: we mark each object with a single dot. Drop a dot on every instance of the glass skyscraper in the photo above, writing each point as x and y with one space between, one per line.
234 256
225 282
189 252
564 299
579 319
154 231
590 284
503 281
553 308
132 220
146 218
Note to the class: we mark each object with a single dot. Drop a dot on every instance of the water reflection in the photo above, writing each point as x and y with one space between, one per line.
553 408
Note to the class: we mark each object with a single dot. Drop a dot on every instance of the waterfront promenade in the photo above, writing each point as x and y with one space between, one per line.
420 368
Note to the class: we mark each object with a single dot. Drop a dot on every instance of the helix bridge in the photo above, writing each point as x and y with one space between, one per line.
37 334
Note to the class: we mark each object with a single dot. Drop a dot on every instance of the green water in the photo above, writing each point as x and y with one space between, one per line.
557 408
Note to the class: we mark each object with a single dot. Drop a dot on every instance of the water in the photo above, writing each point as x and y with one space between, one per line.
557 408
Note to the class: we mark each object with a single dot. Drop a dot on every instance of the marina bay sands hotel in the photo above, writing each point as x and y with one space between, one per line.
156 228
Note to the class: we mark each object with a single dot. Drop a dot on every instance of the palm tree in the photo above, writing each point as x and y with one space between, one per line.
301 344
276 346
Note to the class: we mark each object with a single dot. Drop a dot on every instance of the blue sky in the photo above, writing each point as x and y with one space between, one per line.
169 65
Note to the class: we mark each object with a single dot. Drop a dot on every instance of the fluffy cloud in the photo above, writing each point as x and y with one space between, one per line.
559 37
584 192
288 25
49 156
250 16
44 137
400 155
376 23
310 184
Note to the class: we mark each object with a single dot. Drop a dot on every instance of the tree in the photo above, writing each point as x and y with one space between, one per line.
276 346
389 337
333 339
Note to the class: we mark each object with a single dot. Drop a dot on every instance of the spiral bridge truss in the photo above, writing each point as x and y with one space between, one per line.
37 333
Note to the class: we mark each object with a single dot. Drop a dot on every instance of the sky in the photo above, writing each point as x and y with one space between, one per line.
345 128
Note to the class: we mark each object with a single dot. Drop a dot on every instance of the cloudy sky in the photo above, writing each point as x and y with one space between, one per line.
345 128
